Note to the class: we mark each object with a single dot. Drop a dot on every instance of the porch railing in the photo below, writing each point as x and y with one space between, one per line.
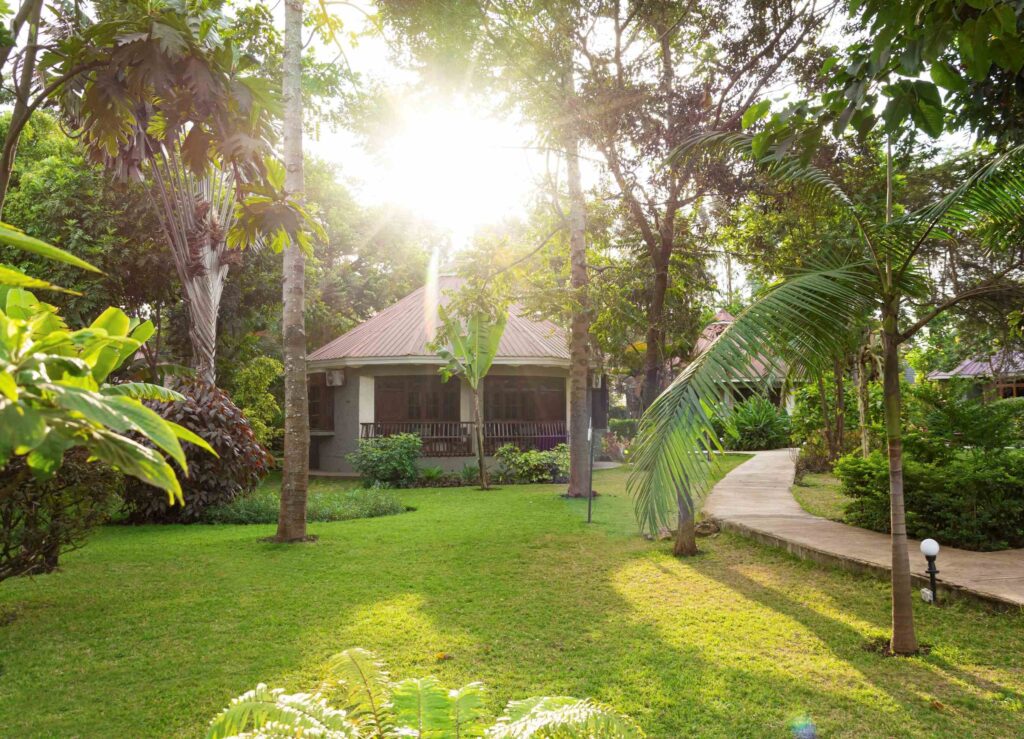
440 438
542 435
455 438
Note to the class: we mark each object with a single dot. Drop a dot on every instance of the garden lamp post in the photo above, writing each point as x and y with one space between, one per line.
930 550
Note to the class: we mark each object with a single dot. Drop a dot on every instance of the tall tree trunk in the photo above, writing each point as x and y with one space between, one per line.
826 421
686 535
904 641
579 329
863 403
840 418
291 522
478 432
654 354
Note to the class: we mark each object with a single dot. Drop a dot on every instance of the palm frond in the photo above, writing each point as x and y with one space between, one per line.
810 181
989 204
800 323
555 716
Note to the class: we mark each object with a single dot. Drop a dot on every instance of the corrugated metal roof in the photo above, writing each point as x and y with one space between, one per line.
759 368
405 328
1004 363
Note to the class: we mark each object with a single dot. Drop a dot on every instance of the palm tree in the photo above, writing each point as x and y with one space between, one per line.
291 523
806 319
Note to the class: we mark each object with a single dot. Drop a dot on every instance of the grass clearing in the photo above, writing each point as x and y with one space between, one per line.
149 631
328 500
819 494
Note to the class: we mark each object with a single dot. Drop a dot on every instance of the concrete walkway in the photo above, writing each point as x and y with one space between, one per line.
755 500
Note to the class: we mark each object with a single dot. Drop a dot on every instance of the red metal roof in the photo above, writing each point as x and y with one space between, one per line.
404 329
1005 363
759 367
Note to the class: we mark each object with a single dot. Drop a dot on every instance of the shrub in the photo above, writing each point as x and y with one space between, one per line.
532 466
756 423
252 394
623 427
970 501
389 460
41 520
241 464
263 504
470 474
614 448
431 476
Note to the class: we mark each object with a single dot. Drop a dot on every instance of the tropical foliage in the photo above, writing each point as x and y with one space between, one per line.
55 394
533 465
756 423
469 353
360 699
807 320
388 461
241 462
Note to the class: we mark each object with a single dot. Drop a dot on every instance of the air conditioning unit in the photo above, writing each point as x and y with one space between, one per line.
335 378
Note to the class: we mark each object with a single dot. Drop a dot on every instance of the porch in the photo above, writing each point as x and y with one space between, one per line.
455 438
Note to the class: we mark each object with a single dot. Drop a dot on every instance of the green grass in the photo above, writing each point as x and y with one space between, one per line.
819 495
328 500
148 631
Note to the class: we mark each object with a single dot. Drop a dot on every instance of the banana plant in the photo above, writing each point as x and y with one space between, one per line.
359 700
806 319
469 353
54 393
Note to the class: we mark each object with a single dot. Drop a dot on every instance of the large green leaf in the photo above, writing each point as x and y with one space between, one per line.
20 240
136 460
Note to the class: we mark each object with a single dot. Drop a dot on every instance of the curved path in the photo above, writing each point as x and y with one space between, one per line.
755 500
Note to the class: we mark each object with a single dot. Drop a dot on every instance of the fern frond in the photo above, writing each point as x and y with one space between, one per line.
272 712
422 708
365 688
466 710
562 717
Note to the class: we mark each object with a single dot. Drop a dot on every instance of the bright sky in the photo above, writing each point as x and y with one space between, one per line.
450 159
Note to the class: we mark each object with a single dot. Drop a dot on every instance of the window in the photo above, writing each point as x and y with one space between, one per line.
321 402
524 399
415 398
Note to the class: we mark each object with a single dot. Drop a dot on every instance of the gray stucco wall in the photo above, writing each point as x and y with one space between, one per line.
331 447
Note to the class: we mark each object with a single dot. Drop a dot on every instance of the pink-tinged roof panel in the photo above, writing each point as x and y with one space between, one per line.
1004 363
407 327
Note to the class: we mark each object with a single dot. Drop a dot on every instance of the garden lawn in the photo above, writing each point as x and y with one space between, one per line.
819 494
149 631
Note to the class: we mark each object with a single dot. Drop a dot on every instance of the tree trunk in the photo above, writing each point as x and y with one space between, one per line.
579 330
840 418
863 404
904 641
22 108
826 421
686 535
654 353
291 522
478 431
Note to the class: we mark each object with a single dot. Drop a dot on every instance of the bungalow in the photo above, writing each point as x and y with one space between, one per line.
998 376
381 378
760 376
